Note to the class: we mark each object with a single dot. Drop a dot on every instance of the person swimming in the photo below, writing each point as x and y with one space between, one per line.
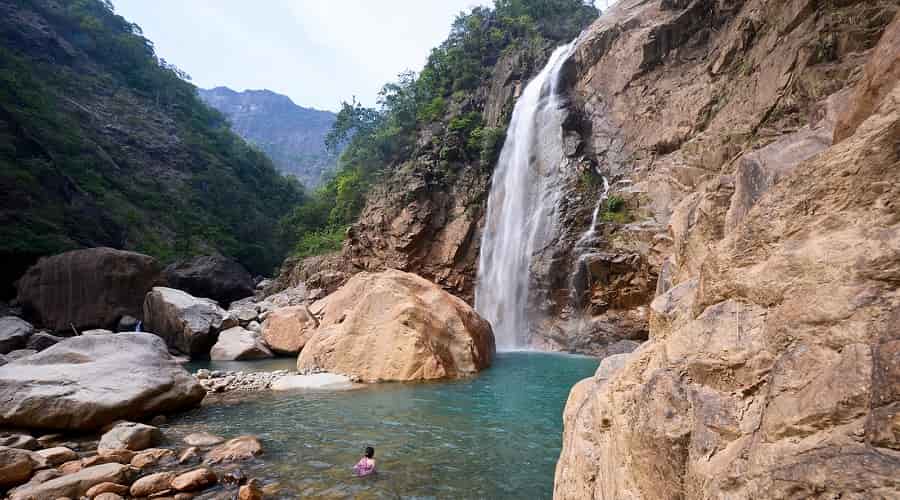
366 464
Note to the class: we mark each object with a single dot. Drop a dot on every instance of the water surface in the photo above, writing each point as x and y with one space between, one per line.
497 435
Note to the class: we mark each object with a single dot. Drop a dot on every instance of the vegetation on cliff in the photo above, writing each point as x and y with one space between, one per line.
438 112
104 143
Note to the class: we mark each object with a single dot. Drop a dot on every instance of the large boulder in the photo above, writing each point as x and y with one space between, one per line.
84 383
286 330
397 326
187 323
74 485
87 288
14 334
212 276
238 344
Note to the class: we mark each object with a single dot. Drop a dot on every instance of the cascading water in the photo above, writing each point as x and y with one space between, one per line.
524 198
588 235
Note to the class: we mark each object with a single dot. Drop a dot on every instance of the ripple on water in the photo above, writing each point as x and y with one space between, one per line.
497 435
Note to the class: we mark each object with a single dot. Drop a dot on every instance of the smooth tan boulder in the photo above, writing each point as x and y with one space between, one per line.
75 485
118 489
57 455
287 329
152 484
84 383
152 456
397 326
195 480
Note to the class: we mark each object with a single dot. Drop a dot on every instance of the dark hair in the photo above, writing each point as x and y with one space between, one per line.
370 452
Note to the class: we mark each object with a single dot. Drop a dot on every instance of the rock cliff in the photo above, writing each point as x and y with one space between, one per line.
763 136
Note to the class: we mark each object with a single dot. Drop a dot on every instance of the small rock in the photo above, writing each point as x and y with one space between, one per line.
127 324
130 436
109 496
116 456
250 491
42 340
195 480
16 466
202 439
21 441
58 455
14 333
234 477
107 487
152 484
71 467
189 455
239 448
50 440
202 374
152 456
254 326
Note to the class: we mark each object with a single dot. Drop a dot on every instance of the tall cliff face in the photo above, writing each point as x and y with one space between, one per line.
759 144
291 135
103 144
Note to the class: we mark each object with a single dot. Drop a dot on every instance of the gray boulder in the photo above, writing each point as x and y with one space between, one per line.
130 436
215 277
86 382
187 323
42 340
14 333
237 344
89 288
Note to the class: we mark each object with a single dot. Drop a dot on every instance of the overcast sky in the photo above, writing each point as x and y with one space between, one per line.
318 52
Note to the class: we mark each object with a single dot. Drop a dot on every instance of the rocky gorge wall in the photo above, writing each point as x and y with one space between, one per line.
765 138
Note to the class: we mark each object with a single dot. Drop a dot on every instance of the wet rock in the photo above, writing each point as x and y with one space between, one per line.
58 455
71 467
87 288
187 323
219 278
286 330
397 326
21 441
78 384
152 456
74 485
239 448
251 490
189 455
152 484
17 465
129 436
234 477
117 456
237 344
42 340
203 439
195 480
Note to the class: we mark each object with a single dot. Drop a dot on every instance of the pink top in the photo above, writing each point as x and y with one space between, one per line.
364 467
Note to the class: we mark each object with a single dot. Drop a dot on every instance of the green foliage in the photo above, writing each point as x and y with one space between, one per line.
103 143
320 241
614 210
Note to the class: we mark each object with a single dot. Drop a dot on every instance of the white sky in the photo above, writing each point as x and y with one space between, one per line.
318 52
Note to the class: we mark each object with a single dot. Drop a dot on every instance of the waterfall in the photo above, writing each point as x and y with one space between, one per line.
588 235
522 204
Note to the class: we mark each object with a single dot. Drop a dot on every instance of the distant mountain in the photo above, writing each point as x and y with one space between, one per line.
292 136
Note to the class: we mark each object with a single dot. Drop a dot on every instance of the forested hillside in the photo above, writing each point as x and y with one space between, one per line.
291 135
104 143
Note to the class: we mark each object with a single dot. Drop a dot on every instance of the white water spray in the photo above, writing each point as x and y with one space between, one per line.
522 205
